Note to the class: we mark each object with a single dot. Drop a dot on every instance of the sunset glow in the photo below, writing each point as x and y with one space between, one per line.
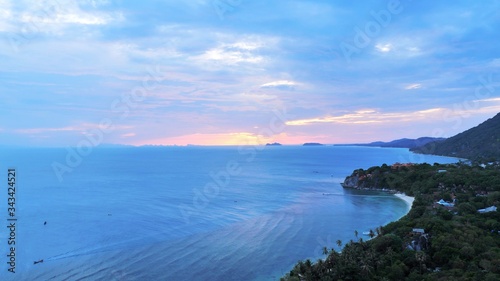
187 72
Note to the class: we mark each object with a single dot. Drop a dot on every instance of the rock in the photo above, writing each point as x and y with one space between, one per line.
351 182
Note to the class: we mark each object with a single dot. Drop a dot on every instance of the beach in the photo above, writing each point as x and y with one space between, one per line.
408 199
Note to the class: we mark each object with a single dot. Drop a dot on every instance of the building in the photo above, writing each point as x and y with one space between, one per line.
418 231
446 204
487 210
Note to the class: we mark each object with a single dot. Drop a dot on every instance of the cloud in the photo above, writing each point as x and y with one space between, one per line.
5 16
84 129
281 84
489 100
228 51
212 139
234 108
55 18
371 116
413 86
128 135
399 46
49 130
233 53
383 48
70 18
432 115
230 57
358 117
205 76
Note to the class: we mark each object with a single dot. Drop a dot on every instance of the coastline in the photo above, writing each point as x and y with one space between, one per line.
400 195
408 200
425 231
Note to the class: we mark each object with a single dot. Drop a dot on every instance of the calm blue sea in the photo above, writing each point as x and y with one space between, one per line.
187 213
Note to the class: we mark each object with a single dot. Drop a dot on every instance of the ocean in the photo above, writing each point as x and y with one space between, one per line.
186 213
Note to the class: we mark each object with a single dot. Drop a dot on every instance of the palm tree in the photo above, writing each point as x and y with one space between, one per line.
339 243
320 265
325 251
372 234
356 233
308 264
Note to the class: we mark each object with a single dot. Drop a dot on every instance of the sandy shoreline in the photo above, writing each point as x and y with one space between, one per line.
408 199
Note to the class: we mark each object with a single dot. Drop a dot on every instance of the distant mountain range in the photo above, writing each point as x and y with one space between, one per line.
480 142
401 143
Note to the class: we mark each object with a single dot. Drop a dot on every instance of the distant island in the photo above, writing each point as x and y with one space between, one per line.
273 144
312 144
399 143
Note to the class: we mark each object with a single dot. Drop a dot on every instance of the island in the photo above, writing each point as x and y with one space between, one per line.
273 144
312 144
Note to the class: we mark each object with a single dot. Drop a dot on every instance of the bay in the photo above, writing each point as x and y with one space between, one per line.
188 213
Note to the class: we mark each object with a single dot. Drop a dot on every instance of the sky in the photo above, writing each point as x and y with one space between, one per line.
232 72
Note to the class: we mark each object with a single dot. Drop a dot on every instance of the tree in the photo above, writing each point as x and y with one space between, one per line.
466 208
325 250
420 257
366 268
446 196
458 246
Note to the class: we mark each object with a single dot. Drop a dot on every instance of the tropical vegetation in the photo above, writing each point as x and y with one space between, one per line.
479 143
434 241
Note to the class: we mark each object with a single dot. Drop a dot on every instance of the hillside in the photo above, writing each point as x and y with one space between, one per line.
480 142
452 232
400 143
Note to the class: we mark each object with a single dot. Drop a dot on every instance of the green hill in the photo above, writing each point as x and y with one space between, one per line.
399 143
452 232
480 142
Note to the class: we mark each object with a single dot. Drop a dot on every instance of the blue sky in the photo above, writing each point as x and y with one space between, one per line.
245 72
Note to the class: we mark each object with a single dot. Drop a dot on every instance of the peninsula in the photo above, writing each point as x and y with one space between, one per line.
452 231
